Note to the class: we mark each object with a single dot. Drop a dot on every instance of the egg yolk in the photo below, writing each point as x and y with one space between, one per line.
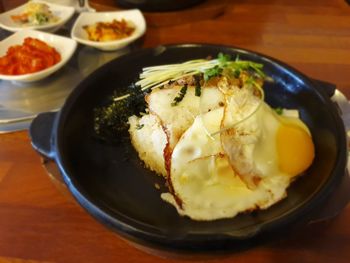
295 149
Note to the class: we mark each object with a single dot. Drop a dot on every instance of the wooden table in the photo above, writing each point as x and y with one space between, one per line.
40 224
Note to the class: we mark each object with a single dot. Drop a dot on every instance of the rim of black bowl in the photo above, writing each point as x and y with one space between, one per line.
141 233
159 6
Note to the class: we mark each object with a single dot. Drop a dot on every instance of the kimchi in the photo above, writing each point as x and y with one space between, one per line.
32 56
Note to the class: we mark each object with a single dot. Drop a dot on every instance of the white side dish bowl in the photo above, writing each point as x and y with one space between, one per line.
133 16
64 13
65 46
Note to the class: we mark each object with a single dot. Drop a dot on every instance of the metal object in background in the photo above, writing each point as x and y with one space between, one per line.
83 6
81 3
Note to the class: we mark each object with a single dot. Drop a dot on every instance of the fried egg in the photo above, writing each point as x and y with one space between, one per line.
205 185
230 151
175 120
149 139
260 143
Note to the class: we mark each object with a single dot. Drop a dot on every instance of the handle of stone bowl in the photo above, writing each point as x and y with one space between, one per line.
40 132
84 6
341 196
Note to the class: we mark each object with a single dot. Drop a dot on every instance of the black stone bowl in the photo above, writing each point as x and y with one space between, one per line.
110 182
158 5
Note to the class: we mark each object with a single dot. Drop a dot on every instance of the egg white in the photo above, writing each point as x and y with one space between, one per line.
203 179
249 140
177 119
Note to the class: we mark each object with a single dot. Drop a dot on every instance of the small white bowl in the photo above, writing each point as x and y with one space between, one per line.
63 12
65 46
134 16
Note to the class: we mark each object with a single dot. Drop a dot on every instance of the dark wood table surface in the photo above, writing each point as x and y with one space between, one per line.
38 223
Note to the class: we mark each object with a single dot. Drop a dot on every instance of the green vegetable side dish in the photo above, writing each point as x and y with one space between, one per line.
41 18
35 14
